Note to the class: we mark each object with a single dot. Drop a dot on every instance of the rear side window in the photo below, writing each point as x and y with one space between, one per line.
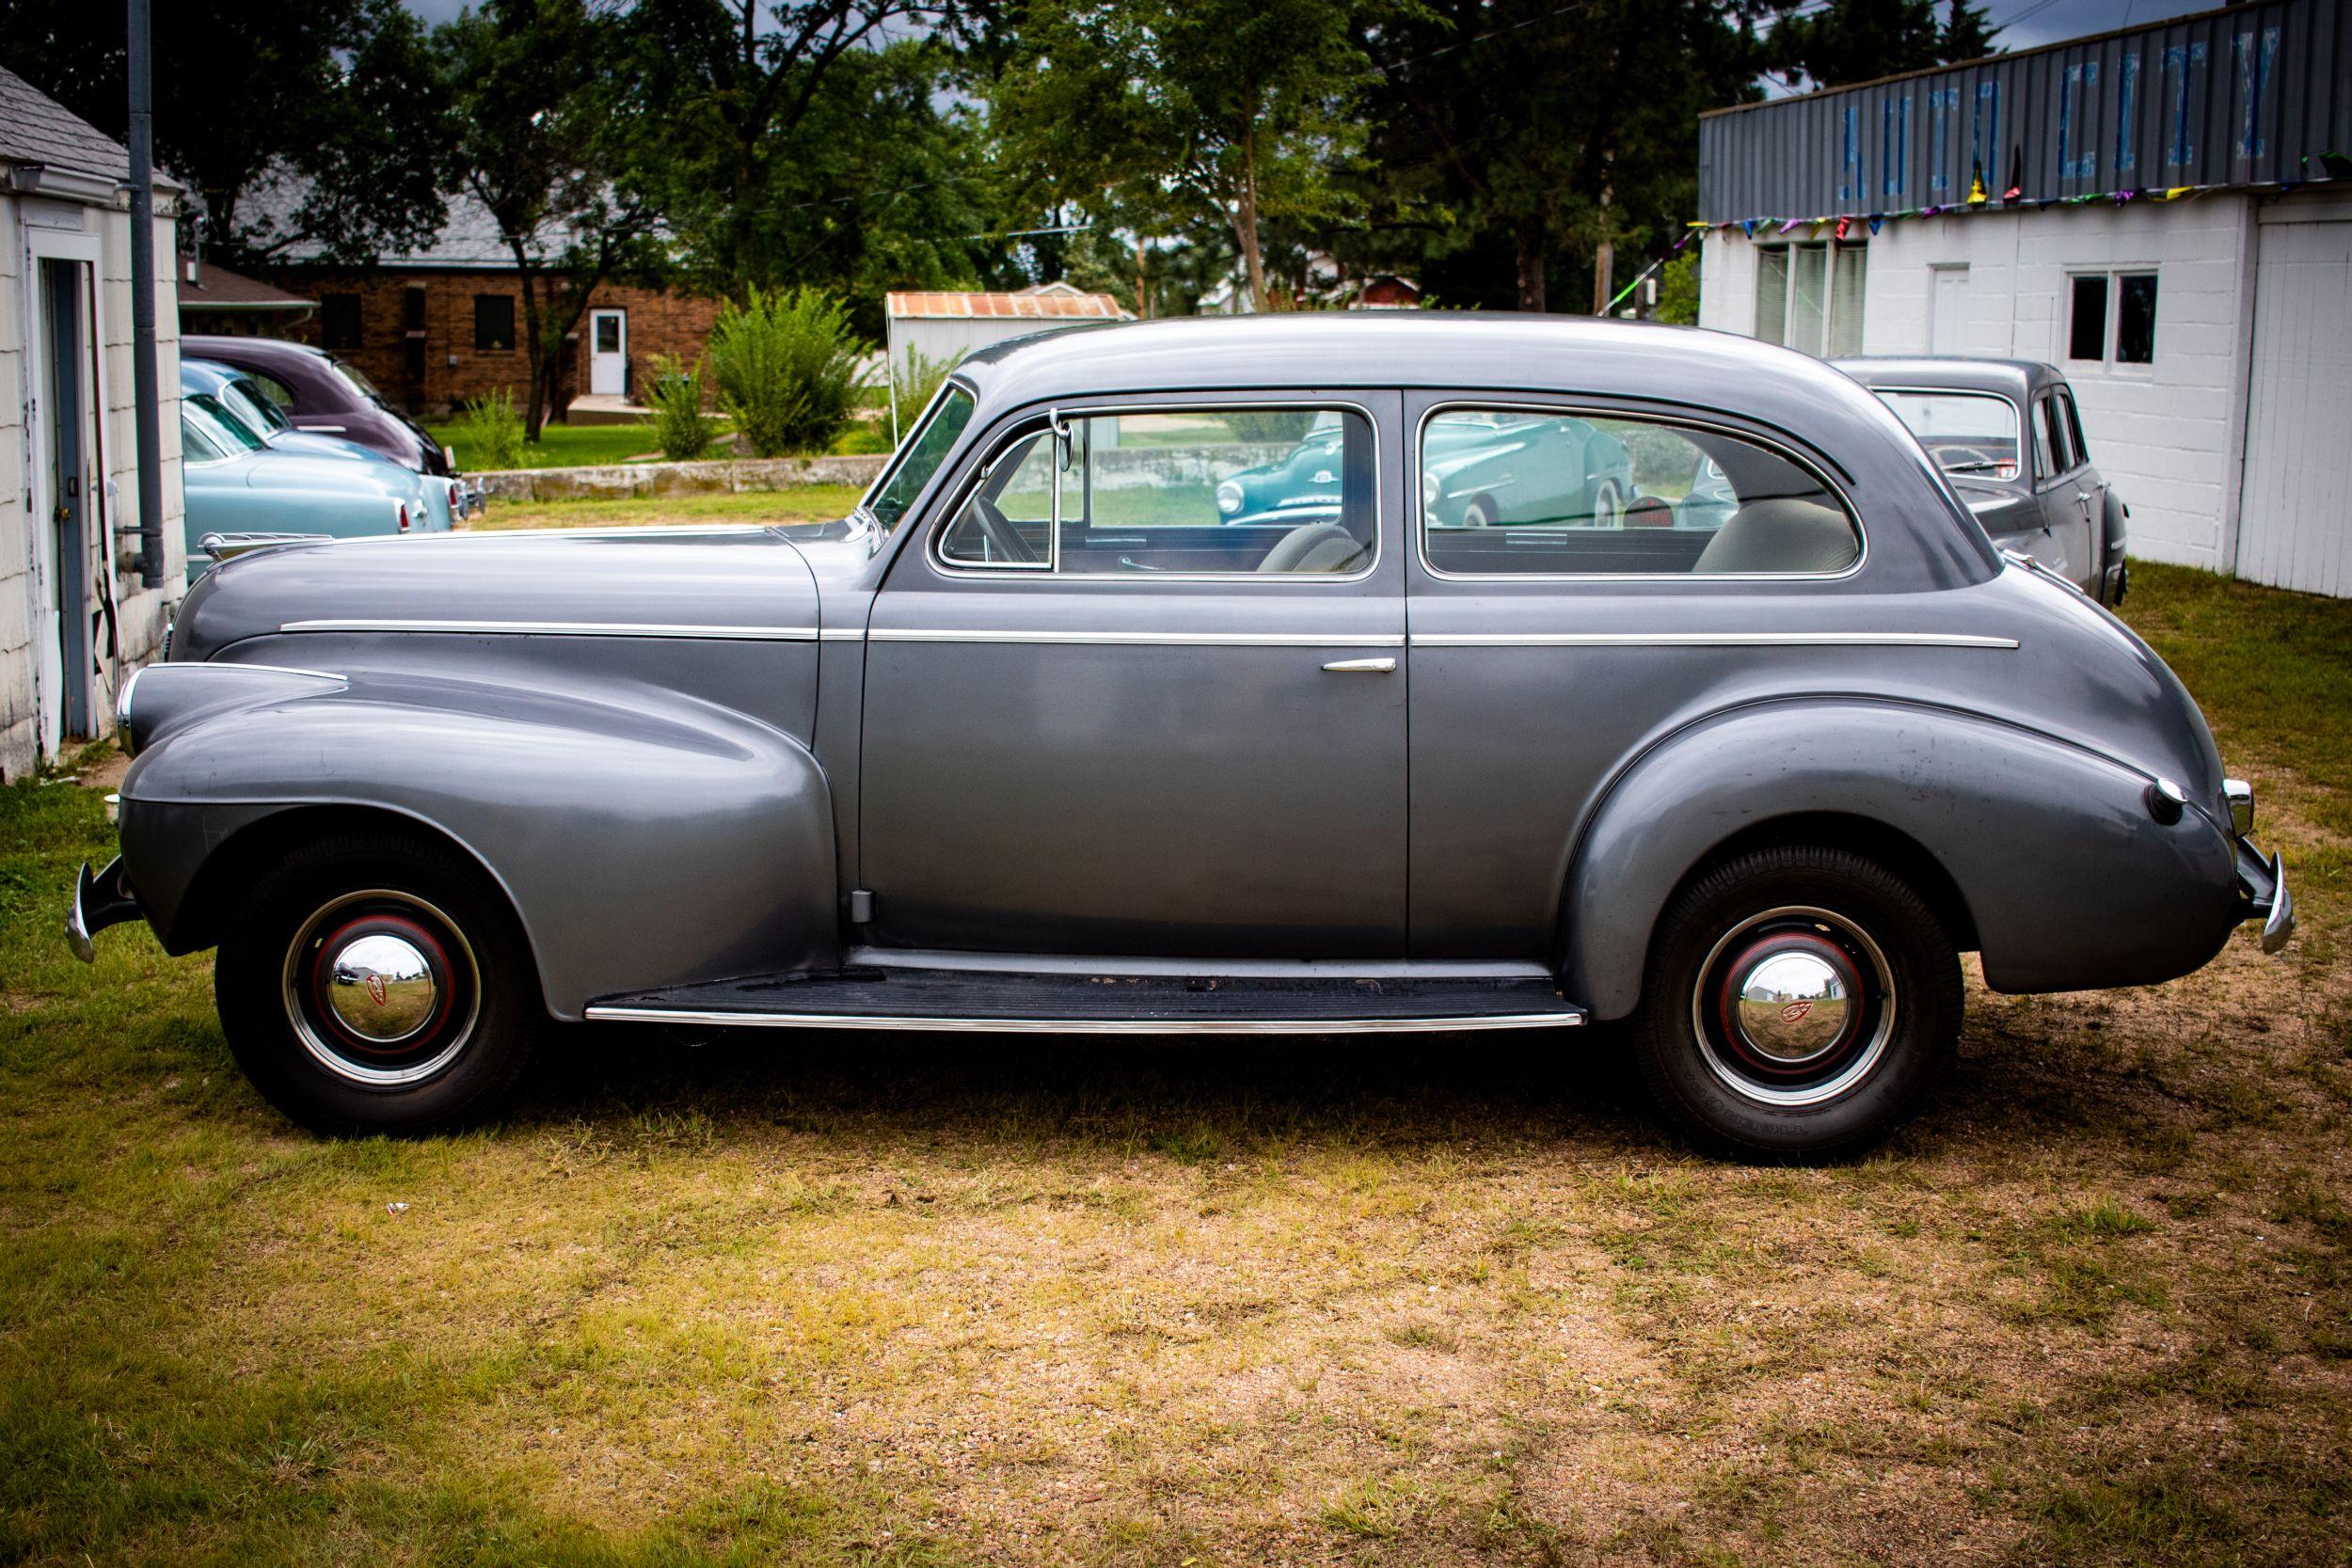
1196 491
1507 492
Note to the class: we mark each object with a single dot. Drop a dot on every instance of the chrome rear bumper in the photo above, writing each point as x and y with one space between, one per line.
101 898
2262 885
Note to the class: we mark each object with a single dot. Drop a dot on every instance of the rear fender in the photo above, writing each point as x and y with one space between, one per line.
2067 878
644 837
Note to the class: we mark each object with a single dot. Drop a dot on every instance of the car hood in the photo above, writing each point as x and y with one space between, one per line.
666 582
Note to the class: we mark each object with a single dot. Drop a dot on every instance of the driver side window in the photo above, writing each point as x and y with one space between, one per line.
1193 491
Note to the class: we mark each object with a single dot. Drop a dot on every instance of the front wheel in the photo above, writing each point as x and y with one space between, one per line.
1800 1003
378 985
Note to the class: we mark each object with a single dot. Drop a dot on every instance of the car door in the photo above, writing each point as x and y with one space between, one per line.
2090 488
2066 546
1099 719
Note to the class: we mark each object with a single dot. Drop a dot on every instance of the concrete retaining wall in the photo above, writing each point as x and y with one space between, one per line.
620 481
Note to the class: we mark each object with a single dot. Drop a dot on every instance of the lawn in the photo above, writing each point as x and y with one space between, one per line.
802 504
879 1299
569 446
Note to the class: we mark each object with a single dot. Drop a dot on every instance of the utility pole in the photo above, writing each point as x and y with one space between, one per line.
145 395
1605 254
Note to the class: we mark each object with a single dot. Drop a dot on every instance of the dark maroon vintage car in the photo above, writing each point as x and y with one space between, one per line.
320 392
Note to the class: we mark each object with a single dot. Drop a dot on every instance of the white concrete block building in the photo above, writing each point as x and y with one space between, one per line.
2207 334
77 615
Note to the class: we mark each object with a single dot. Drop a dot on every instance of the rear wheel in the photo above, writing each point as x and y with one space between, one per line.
378 984
1800 1003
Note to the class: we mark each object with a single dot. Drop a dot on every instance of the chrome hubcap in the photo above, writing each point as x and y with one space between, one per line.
381 987
1794 1007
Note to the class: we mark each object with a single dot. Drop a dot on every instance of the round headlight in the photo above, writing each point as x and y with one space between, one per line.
1229 497
1429 489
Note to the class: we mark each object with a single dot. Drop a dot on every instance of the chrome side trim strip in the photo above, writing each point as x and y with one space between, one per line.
1709 640
1144 638
841 634
1221 969
563 628
623 1013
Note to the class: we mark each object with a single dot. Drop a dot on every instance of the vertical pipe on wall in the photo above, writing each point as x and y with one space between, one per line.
145 394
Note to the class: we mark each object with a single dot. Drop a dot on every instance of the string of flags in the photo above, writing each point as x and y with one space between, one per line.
1979 198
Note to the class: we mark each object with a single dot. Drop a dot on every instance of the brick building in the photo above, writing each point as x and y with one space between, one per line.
439 326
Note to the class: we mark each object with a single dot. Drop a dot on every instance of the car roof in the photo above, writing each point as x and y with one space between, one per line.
2013 378
208 343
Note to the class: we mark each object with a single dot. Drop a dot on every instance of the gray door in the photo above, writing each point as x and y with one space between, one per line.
1171 723
65 387
2059 485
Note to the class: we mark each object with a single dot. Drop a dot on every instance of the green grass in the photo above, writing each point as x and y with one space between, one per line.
803 503
876 1299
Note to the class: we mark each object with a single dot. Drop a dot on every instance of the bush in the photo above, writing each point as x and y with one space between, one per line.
1271 425
916 381
491 431
786 365
680 428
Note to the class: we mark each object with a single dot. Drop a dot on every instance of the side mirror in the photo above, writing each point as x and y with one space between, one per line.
1063 447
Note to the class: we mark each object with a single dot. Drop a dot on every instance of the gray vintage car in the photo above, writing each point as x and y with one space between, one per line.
2008 434
1037 741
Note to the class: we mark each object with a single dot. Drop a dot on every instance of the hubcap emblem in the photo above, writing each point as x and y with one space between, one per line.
1792 1003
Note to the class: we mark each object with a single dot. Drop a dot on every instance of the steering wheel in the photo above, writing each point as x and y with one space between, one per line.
1002 538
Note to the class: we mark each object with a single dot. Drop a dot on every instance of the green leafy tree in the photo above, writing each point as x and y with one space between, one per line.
306 126
544 129
810 141
1678 288
1164 115
1509 134
1858 41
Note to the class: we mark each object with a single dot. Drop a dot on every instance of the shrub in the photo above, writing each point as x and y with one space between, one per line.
491 431
680 428
1270 425
786 365
916 381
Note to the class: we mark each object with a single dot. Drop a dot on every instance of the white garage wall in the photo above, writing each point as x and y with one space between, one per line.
2167 435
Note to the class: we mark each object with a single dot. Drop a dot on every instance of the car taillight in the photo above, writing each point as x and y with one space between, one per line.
457 499
400 511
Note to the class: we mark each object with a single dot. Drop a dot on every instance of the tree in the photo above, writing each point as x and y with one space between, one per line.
800 141
1506 132
306 125
543 129
1858 41
1162 114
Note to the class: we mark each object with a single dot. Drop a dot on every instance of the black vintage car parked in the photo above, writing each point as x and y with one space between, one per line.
2008 433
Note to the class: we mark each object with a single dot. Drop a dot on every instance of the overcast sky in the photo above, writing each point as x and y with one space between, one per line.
2024 24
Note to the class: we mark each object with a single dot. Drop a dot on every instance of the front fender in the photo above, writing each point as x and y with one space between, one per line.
2068 878
645 838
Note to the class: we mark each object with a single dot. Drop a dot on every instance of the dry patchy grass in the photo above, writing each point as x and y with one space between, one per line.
883 1299
803 503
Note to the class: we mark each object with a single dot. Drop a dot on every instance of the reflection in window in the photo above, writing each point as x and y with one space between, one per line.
1512 491
2135 320
1189 491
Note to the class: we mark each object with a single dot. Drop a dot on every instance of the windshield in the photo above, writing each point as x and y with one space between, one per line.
351 374
225 429
920 458
256 411
252 412
1970 434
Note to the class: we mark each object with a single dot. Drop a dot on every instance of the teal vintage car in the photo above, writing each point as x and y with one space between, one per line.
237 483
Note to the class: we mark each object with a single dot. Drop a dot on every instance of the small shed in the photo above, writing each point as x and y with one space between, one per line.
937 328
77 613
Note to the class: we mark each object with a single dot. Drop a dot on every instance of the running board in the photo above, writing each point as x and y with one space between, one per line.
1098 1002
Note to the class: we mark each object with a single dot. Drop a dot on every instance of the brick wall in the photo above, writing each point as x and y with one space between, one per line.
453 369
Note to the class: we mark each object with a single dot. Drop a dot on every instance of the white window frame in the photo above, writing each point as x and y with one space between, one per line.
1830 249
2113 326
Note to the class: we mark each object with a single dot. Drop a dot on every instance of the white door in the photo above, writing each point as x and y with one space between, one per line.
608 353
2292 525
1947 327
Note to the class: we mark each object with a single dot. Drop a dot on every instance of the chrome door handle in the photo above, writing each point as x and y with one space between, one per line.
1363 667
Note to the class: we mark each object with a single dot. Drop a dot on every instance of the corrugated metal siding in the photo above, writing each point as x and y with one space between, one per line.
2234 97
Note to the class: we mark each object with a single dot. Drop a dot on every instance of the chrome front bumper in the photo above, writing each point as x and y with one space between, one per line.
101 898
2262 885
